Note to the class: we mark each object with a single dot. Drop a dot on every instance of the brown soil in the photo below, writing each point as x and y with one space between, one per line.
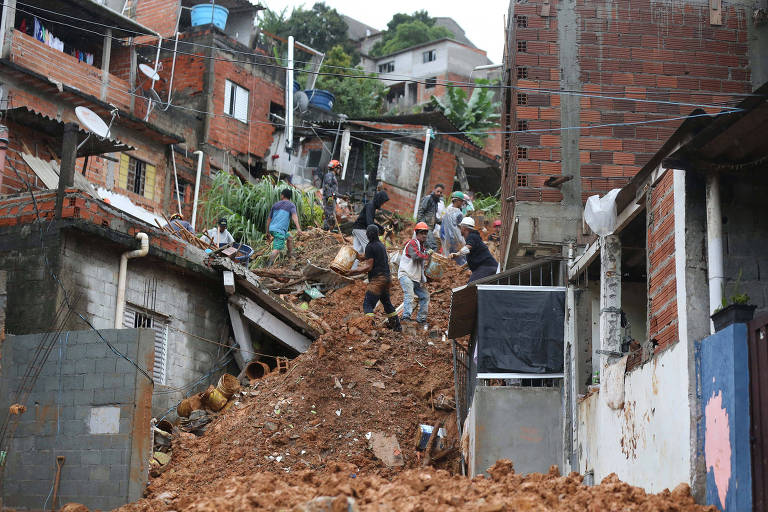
303 434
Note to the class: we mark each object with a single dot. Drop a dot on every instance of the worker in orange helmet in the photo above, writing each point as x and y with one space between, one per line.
410 273
330 190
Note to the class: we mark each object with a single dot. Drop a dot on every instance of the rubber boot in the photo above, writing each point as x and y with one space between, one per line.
394 324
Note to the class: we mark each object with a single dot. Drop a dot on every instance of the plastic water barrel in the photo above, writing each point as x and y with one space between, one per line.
203 14
321 99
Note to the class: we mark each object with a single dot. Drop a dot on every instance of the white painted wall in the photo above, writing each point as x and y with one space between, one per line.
647 443
451 57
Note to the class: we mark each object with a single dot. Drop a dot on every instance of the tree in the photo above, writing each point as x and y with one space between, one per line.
321 27
406 30
356 97
470 114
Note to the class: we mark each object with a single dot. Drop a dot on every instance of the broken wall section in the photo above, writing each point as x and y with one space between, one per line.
89 406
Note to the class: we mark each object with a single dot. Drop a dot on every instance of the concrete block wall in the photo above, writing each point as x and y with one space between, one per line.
650 51
88 406
662 284
190 303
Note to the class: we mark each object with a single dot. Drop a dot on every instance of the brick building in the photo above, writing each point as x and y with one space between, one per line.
613 70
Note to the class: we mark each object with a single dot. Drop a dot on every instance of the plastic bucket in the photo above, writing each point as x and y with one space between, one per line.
344 259
321 99
437 267
204 14
244 252
228 385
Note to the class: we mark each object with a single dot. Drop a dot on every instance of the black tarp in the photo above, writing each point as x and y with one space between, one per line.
520 331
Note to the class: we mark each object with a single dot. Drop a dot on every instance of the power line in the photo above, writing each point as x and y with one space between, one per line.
378 78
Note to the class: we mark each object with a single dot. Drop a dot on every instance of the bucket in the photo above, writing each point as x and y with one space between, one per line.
228 385
437 267
185 408
344 259
214 399
204 14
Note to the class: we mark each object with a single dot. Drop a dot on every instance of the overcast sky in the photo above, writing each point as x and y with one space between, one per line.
482 21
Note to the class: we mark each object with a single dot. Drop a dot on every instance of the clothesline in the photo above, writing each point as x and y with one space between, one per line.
44 35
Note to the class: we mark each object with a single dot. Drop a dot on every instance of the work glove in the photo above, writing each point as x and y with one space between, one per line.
430 252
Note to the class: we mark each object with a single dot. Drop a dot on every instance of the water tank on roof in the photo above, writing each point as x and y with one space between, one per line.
321 99
204 14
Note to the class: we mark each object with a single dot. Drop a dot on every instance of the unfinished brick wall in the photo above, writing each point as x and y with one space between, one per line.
159 15
662 285
650 51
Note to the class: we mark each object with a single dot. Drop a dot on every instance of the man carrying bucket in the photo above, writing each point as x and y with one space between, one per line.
278 222
411 273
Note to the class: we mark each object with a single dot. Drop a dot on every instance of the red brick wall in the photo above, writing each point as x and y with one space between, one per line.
228 133
30 53
159 15
657 51
662 287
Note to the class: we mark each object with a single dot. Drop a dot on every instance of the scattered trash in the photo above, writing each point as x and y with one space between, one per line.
386 448
378 384
338 412
425 431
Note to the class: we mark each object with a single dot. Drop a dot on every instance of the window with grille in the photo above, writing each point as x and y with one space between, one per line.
522 21
522 180
522 98
182 196
522 72
522 125
236 101
429 56
136 176
522 152
387 67
522 46
135 319
430 83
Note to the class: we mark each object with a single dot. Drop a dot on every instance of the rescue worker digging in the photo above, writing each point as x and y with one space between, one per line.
330 190
365 219
376 263
479 259
410 273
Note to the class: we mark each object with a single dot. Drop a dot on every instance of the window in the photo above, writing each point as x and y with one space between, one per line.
522 21
387 67
429 56
236 101
430 83
522 126
522 180
522 46
183 184
522 152
522 72
522 98
137 176
135 319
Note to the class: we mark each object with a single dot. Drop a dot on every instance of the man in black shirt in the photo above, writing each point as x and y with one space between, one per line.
376 263
366 218
479 259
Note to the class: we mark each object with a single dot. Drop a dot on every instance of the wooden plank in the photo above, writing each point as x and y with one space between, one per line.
592 252
271 324
715 12
242 337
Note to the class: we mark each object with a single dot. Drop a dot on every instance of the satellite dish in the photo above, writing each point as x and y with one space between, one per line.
151 73
92 122
154 98
300 101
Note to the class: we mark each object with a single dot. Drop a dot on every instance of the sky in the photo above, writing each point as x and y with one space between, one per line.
483 26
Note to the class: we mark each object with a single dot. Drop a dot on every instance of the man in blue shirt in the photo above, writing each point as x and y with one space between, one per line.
278 222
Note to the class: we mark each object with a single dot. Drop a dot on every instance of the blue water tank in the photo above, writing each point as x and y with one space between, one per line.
296 86
204 14
321 99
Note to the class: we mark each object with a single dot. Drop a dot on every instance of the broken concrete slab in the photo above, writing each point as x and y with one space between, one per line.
386 448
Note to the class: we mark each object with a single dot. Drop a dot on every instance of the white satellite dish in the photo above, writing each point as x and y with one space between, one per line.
92 122
151 73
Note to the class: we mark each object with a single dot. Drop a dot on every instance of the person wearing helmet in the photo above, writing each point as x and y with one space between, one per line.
376 263
219 236
410 273
177 222
495 235
452 240
428 212
479 259
330 190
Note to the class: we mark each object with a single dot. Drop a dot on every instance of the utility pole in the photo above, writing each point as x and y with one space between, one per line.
427 137
289 98
67 170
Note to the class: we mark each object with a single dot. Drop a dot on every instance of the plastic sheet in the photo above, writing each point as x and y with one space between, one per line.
520 331
600 213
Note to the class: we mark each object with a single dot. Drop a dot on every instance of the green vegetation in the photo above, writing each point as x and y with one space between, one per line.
246 206
406 30
736 298
472 115
490 206
355 97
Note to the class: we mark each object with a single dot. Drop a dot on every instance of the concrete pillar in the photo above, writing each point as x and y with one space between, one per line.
6 26
67 171
610 293
105 56
714 244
